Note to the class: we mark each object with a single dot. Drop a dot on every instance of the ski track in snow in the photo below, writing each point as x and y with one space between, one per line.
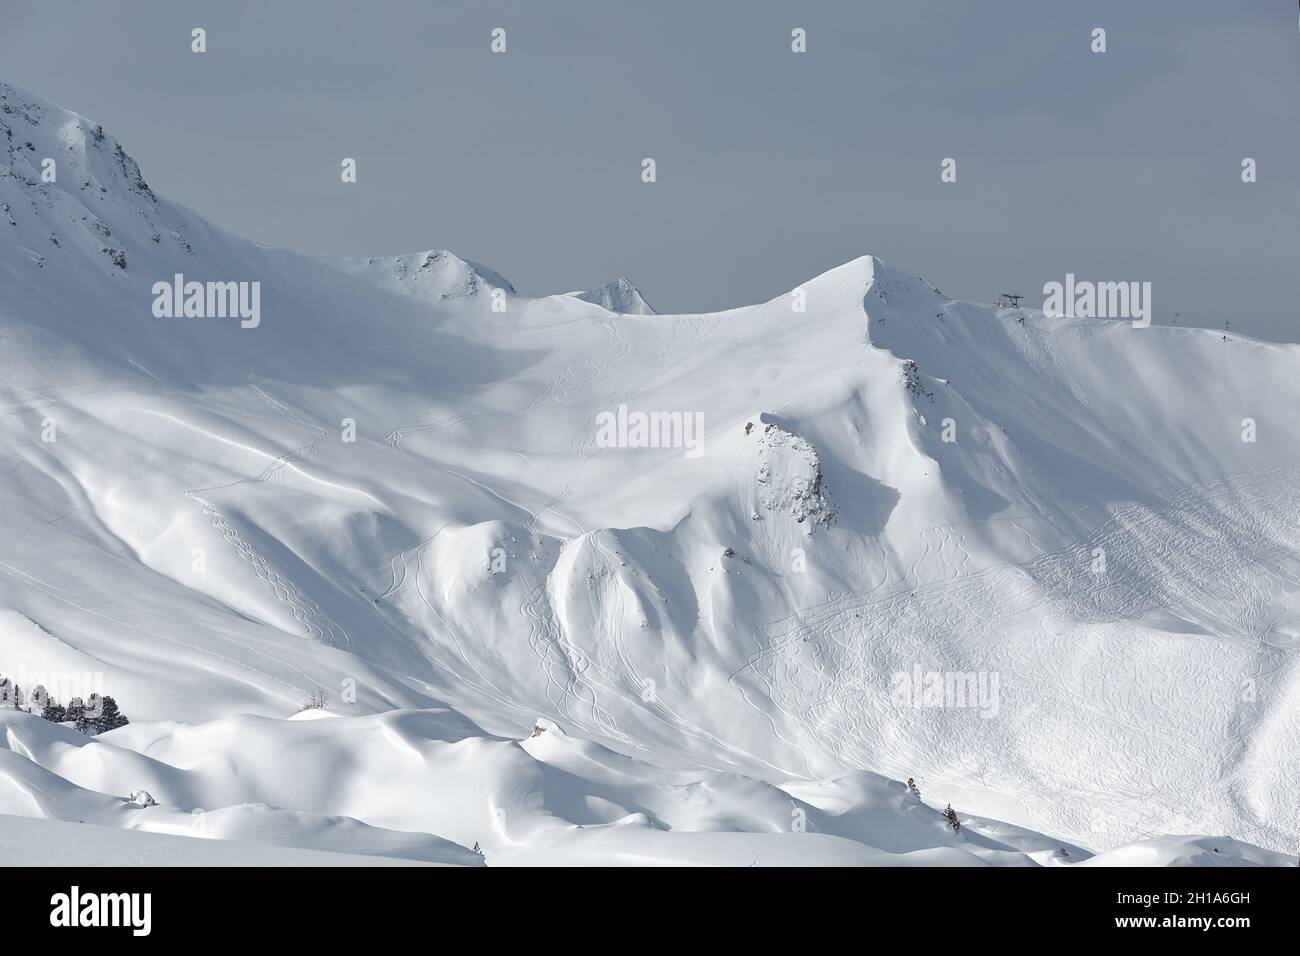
316 624
826 667
830 691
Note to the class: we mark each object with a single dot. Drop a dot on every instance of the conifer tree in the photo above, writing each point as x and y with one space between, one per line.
109 716
54 712
76 712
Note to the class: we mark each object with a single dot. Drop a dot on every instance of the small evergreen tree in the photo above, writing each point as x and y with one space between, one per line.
90 714
76 712
53 712
953 822
109 717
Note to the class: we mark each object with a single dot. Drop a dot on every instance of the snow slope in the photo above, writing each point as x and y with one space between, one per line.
889 483
38 842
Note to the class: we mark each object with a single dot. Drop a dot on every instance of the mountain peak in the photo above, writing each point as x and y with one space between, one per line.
86 158
433 274
619 296
74 199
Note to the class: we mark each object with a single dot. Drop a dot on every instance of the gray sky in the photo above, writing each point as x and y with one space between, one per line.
772 166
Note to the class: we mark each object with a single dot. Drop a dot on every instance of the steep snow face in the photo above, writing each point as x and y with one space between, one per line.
619 296
68 191
1046 567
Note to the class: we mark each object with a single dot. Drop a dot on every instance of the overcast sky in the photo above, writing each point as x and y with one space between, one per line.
772 166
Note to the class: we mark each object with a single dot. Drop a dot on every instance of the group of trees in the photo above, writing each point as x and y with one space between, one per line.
92 716
95 716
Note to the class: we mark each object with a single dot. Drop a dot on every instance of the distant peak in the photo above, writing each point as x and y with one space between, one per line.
619 296
436 273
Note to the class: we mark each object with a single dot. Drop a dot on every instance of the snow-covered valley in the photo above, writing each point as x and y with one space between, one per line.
1047 568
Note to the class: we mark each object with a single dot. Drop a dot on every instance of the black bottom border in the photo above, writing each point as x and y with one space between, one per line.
369 905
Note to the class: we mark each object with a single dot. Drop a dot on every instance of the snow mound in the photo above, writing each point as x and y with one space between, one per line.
1189 851
424 785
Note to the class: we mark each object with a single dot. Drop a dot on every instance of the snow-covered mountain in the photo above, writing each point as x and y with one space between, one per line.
583 583
619 296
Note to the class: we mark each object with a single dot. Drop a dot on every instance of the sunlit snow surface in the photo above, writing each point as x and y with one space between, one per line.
708 643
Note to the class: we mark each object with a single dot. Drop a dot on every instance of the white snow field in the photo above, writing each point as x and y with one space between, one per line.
710 638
